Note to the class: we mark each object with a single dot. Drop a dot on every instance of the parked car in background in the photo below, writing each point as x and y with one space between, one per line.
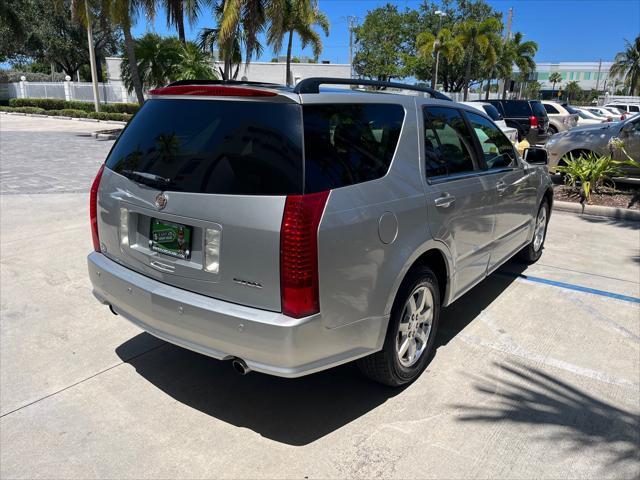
561 118
527 116
585 118
290 230
595 139
496 116
605 113
625 107
584 113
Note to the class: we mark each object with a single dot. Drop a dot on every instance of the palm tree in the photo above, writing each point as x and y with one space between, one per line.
176 11
554 78
295 16
241 18
573 89
445 43
478 38
627 64
194 64
521 53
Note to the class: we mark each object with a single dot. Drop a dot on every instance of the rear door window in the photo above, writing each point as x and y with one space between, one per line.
210 146
516 108
448 142
550 108
346 144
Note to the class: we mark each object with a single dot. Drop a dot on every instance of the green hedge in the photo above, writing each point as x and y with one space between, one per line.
23 110
70 112
55 104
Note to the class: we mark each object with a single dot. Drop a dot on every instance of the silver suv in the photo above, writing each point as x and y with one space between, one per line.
292 230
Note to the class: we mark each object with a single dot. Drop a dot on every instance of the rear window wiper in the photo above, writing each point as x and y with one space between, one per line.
145 178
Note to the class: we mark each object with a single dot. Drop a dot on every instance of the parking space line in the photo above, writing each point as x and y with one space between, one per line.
571 286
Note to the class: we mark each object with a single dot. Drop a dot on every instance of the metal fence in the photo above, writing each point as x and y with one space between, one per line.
81 91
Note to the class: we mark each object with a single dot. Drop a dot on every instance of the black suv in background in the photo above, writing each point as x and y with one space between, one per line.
528 116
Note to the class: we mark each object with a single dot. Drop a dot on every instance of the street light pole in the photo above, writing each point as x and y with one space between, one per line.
92 59
436 47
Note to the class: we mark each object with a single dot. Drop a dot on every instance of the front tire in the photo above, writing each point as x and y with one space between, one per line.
411 332
532 252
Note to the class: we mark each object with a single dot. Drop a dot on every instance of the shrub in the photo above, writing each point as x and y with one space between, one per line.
123 117
72 112
45 103
590 171
57 104
23 110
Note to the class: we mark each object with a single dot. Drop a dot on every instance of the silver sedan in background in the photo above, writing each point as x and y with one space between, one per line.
595 139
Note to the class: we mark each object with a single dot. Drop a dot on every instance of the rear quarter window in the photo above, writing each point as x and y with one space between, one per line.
493 112
211 146
346 144
550 108
538 109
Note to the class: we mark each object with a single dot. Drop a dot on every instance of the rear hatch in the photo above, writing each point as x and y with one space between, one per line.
541 115
194 190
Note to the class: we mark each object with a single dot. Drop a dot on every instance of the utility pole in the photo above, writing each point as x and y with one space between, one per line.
507 37
598 77
352 22
92 59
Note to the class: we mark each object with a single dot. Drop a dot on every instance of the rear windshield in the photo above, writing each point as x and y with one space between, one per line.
538 109
207 146
493 112
516 108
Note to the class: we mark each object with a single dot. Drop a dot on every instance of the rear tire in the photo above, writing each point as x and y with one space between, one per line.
410 329
532 252
553 130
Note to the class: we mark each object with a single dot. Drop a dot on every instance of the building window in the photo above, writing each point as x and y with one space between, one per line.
570 75
564 75
543 76
587 75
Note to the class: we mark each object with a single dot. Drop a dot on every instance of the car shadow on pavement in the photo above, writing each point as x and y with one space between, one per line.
291 411
521 394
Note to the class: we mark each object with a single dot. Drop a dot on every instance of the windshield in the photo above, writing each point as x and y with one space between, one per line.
210 146
493 112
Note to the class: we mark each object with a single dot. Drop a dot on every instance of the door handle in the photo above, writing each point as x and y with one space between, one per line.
501 187
445 200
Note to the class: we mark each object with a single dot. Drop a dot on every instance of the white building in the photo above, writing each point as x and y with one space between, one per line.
589 75
269 72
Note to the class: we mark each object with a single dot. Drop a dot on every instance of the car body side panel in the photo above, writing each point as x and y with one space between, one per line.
368 233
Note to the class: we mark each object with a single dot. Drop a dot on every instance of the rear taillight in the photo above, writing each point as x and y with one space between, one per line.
533 121
299 288
93 209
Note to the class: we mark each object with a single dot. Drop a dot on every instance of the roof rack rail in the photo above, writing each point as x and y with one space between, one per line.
221 82
312 85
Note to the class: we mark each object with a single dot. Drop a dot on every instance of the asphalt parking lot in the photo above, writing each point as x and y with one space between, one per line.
537 373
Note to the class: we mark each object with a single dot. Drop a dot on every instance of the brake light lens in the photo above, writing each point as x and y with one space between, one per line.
533 121
299 284
93 209
212 91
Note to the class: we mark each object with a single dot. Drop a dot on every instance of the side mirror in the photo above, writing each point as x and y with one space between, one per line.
536 156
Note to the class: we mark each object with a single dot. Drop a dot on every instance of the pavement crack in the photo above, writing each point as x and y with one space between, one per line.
127 360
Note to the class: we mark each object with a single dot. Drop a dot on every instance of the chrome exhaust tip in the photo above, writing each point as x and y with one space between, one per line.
112 310
240 366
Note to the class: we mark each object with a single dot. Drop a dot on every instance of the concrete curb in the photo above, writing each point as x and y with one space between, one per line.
36 115
597 210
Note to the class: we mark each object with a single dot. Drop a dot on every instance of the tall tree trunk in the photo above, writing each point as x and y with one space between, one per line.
133 63
467 75
180 21
289 44
504 89
486 97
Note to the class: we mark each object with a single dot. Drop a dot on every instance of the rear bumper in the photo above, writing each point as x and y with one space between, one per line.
268 342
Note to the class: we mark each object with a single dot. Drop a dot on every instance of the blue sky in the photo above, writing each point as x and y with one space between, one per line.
566 30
